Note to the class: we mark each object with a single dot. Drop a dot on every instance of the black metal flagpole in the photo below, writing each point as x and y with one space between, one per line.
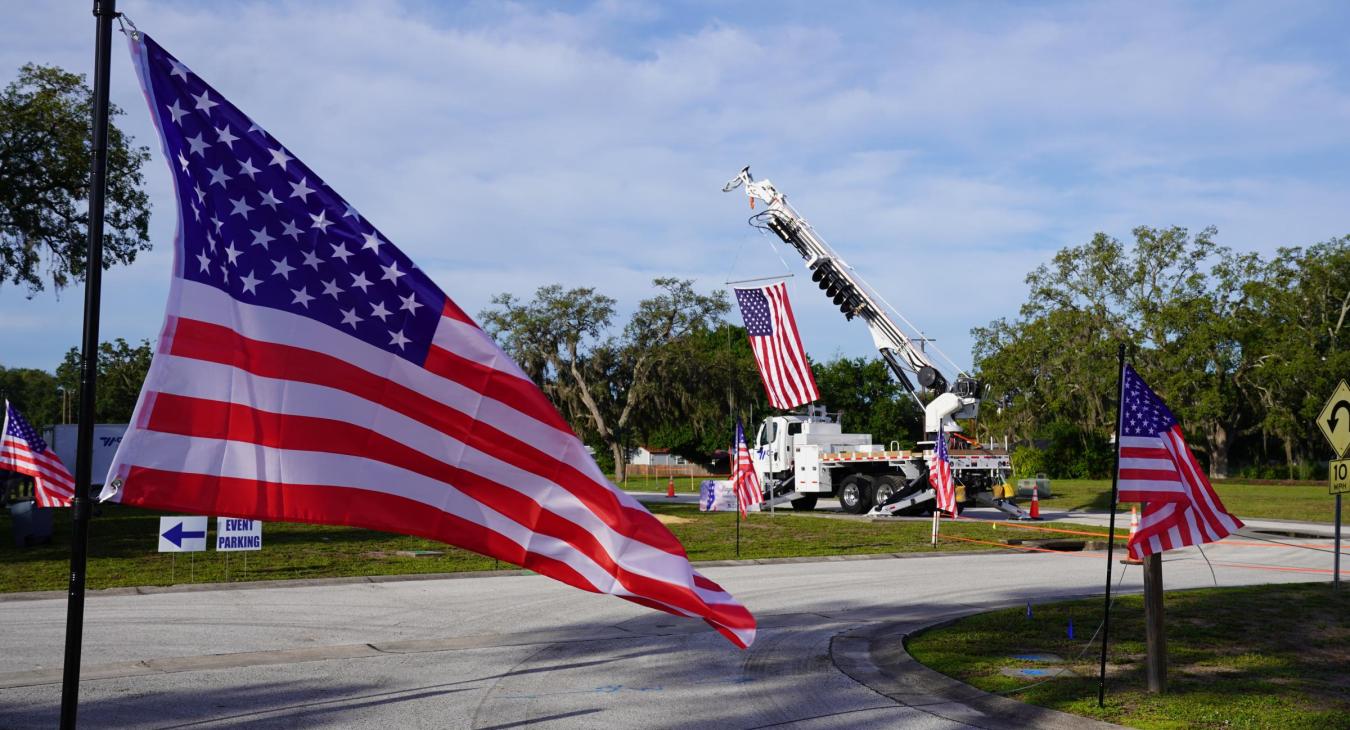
104 13
1111 537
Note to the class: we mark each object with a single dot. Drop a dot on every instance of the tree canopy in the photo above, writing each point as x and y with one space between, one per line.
45 160
1241 348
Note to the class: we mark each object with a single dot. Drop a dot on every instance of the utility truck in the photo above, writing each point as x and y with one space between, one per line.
802 457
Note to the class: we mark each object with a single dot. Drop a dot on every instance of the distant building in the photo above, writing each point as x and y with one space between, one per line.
654 456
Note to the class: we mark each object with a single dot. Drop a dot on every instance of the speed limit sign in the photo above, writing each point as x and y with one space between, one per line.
1340 476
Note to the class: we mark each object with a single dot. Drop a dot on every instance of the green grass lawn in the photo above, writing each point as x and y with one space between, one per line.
1304 502
122 543
1273 656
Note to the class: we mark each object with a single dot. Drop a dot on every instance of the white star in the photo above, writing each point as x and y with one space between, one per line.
179 69
218 176
204 102
176 112
246 167
411 304
270 200
372 242
289 229
260 237
311 260
340 252
397 338
391 272
196 213
302 297
225 137
211 240
321 221
201 194
279 157
331 287
301 190
361 282
241 207
349 317
281 266
183 161
250 283
253 127
218 223
379 311
204 261
232 252
351 212
198 145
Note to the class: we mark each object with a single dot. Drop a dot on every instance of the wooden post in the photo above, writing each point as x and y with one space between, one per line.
1154 630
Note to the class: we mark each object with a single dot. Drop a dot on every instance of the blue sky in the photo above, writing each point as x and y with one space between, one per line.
944 149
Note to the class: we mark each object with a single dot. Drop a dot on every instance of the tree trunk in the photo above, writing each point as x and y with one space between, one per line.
1289 455
1217 438
620 465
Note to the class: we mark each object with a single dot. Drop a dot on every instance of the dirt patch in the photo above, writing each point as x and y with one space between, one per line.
672 519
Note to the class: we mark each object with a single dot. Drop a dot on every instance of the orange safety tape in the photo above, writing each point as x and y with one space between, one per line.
1284 568
1021 526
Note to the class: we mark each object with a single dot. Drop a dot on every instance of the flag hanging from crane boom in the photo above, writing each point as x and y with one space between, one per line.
309 371
778 349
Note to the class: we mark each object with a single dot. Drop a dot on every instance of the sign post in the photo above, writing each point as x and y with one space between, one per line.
1334 420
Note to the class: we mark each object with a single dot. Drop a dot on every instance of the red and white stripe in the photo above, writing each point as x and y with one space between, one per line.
53 486
259 413
744 478
783 366
1181 507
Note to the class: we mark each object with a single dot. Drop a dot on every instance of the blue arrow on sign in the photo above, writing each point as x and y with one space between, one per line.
176 535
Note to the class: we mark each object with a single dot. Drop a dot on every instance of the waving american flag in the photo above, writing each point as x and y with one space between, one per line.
743 477
783 367
23 451
1158 469
309 371
941 476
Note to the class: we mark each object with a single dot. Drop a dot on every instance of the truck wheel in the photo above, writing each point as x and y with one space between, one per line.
855 494
887 487
804 504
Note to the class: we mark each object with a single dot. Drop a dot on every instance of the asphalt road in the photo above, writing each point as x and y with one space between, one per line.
522 651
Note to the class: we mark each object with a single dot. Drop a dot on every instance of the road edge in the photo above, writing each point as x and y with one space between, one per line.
875 656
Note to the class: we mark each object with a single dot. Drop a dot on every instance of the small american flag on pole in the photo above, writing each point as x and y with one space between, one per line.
744 479
943 482
22 450
1158 469
309 371
778 349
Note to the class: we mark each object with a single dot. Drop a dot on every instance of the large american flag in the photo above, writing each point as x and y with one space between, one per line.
743 477
941 477
309 371
778 350
22 450
1158 468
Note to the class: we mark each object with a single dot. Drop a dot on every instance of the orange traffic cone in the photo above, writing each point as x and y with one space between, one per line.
1134 527
670 487
1035 503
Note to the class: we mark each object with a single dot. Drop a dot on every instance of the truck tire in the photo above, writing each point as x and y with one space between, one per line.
855 494
886 487
804 504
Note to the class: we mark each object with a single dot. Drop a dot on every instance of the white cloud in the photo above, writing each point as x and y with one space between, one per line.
945 152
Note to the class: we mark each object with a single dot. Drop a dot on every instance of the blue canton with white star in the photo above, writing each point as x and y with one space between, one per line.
19 426
1142 412
258 224
755 312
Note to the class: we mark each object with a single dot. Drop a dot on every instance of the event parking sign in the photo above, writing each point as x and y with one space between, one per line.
233 534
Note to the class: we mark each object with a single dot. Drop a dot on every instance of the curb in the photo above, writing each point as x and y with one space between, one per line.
405 577
876 657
